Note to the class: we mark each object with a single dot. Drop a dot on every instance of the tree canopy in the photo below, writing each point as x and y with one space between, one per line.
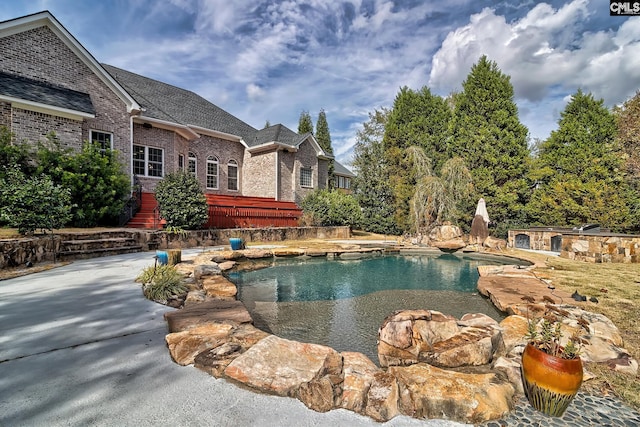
580 170
305 125
418 118
488 135
371 185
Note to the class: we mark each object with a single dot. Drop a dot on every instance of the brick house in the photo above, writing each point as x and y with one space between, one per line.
50 82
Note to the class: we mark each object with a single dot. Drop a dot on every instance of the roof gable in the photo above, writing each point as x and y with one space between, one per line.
169 103
45 18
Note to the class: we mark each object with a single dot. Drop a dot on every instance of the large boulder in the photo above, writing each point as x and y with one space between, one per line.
215 360
185 345
445 232
219 287
382 398
359 372
309 372
207 312
412 336
430 392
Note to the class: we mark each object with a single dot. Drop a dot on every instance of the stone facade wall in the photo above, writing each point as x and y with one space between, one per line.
216 237
596 247
17 252
599 249
259 175
539 240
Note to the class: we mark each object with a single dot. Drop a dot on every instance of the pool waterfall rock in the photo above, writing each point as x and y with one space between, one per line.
414 336
433 365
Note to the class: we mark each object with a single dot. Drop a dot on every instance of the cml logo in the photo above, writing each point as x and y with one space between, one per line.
624 8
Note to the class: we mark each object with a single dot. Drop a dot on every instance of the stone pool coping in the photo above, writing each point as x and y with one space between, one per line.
221 330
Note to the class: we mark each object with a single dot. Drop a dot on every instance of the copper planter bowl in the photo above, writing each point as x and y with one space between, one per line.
550 382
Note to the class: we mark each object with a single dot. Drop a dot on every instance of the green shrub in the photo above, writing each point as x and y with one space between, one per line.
160 282
96 178
182 202
332 208
31 203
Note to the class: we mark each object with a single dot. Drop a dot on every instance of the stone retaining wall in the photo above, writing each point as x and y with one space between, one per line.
589 247
17 252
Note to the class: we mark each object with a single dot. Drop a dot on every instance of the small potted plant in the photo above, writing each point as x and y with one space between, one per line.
551 373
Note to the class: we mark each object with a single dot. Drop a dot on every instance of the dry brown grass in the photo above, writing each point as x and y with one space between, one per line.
617 288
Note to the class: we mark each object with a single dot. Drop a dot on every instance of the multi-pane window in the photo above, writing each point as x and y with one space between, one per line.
180 162
212 172
102 139
344 182
148 161
232 175
306 175
193 161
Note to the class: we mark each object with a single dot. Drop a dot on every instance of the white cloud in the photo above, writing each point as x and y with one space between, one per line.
542 50
255 92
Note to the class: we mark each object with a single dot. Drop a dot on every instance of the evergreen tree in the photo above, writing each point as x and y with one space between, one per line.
628 137
418 118
324 139
305 125
267 124
371 184
580 170
486 132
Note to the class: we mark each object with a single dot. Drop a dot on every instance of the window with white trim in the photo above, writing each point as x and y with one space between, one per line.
232 175
192 165
148 161
306 177
102 139
212 172
181 162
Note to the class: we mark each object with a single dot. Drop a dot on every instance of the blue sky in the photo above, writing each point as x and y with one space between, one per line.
269 60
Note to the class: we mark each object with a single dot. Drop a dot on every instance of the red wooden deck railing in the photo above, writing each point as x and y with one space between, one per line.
228 212
251 212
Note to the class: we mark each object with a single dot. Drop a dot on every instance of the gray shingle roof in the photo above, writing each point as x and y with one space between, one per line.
279 133
166 102
339 169
43 93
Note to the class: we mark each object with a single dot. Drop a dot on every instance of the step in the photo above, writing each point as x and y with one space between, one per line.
93 253
84 245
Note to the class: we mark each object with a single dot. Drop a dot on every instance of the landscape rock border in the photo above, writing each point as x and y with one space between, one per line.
433 365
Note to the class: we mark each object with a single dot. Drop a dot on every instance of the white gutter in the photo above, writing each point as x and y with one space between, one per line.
272 145
215 133
184 131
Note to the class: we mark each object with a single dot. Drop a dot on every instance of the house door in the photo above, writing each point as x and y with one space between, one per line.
556 243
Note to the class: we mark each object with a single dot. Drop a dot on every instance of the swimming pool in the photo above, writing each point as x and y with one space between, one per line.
342 304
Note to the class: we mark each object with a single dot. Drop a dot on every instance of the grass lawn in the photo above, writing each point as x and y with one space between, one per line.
617 288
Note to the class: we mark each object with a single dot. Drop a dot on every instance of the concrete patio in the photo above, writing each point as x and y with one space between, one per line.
79 345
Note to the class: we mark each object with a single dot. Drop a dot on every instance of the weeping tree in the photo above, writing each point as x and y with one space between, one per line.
436 198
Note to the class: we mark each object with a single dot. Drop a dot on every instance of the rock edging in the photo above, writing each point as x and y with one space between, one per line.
433 365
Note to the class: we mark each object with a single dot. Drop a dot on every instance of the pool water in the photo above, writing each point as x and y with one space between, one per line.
342 304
